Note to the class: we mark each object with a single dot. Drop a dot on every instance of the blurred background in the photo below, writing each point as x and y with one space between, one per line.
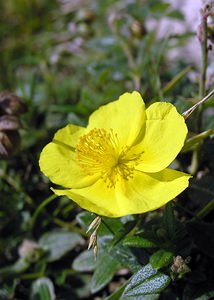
59 61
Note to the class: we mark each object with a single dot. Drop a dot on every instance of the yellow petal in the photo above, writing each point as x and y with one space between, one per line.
144 193
125 116
149 191
58 159
164 137
97 198
69 135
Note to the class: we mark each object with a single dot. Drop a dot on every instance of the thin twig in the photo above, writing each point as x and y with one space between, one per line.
188 112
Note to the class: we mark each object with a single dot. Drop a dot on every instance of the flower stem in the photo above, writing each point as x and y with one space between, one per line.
202 90
195 156
204 56
41 206
206 209
204 53
69 226
195 160
131 63
136 79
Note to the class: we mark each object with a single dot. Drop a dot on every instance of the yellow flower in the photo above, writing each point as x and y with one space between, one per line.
117 165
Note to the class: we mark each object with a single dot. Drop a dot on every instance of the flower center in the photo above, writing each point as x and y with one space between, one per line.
98 152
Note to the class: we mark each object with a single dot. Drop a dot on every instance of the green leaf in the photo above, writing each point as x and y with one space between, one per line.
106 267
85 218
142 297
84 262
4 295
172 83
110 226
62 108
176 14
138 242
145 282
144 273
43 289
160 7
206 296
169 220
160 259
107 227
126 258
117 294
57 243
120 234
19 266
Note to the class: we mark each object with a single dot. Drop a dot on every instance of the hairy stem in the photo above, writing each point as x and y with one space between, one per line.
204 56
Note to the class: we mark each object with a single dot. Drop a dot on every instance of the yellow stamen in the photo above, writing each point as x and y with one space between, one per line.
98 152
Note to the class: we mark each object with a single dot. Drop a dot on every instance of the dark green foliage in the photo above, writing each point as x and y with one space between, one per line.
106 267
58 243
64 59
146 282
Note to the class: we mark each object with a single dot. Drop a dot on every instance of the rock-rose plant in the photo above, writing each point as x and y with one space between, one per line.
117 165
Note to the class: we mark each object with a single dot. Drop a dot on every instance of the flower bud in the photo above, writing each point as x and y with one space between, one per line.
9 143
85 15
180 265
29 249
8 122
138 29
11 104
210 29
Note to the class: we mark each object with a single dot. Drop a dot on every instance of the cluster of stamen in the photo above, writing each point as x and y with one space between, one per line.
99 152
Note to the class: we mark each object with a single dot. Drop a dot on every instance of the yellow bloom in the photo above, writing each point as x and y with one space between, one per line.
117 165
